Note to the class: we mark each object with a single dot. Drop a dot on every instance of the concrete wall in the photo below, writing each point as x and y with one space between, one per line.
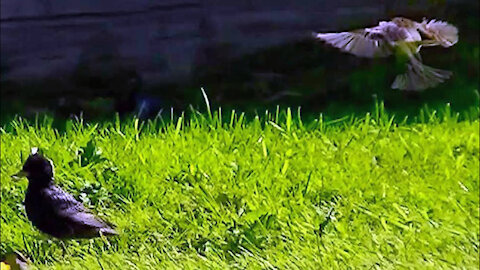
161 40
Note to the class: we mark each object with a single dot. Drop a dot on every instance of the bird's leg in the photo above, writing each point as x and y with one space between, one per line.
429 43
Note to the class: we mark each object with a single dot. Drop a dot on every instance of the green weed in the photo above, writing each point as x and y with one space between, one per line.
218 190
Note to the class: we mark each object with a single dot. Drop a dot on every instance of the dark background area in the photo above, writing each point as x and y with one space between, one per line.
64 59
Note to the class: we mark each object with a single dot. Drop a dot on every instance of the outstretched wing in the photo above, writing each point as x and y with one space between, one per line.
359 42
442 32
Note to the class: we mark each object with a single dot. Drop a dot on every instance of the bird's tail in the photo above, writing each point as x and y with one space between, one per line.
108 231
419 77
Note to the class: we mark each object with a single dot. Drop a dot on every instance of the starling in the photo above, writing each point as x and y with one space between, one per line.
404 37
51 209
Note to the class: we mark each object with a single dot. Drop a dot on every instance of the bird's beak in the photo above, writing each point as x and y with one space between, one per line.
21 174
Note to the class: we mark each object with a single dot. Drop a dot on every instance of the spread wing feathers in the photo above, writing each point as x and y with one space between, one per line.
443 32
358 42
412 34
78 217
419 77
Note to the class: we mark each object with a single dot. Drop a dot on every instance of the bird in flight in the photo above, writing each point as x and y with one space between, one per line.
52 210
399 36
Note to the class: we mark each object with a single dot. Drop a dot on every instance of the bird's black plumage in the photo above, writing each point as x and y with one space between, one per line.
54 211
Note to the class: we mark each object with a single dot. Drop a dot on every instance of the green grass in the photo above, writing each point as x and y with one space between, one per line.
217 190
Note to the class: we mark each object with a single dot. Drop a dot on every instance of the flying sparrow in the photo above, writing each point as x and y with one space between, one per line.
400 36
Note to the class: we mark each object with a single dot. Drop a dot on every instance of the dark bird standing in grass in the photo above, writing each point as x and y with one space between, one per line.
54 211
401 37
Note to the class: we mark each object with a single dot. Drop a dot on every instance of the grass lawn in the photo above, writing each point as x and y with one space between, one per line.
212 191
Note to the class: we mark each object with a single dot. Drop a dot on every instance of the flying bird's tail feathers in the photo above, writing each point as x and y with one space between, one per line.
419 77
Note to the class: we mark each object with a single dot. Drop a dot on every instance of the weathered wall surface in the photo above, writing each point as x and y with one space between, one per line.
161 40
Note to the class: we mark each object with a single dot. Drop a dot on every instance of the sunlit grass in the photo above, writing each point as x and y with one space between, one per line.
216 190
